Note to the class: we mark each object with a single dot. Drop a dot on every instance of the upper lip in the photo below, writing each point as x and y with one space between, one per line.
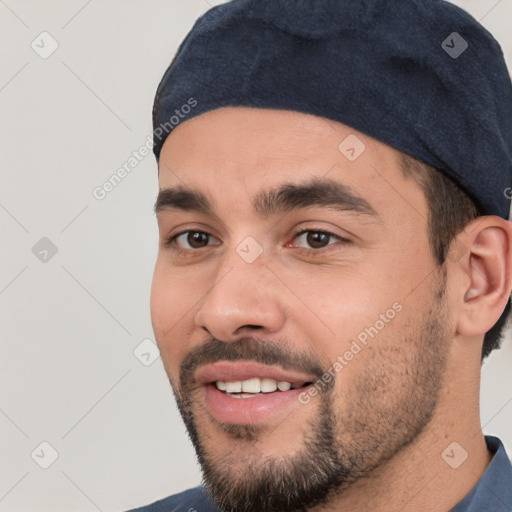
232 371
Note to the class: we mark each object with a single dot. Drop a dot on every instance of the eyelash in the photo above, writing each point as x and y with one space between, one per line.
171 242
299 232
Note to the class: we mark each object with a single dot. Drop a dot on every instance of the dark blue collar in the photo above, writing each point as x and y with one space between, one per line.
493 492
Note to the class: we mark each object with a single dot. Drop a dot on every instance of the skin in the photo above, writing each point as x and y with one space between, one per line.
316 304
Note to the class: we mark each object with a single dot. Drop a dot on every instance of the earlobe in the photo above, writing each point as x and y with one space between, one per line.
489 269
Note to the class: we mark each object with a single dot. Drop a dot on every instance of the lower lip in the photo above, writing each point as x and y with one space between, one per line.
244 411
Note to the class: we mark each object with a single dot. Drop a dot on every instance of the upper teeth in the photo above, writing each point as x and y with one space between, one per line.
255 385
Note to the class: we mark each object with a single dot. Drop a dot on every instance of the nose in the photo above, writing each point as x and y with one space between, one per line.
244 297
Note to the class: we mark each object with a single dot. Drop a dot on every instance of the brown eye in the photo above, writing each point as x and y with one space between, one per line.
317 239
189 240
197 239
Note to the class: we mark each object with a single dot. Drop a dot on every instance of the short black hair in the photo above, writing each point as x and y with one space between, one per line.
450 210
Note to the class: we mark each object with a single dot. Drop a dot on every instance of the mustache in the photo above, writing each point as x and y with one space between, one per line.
258 350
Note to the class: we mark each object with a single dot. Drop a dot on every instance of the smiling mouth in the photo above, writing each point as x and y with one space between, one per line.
256 386
247 392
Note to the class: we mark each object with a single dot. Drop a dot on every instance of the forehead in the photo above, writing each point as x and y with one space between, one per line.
257 135
237 152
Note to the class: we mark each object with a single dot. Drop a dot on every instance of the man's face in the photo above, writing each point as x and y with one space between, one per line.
297 265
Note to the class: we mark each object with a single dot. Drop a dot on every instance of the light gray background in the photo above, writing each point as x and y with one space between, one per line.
68 374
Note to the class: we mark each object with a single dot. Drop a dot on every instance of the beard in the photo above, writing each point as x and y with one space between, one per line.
384 409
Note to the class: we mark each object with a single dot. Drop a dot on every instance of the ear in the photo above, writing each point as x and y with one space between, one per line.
487 269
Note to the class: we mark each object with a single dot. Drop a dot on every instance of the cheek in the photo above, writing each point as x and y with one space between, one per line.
375 368
171 310
172 295
354 317
342 303
385 349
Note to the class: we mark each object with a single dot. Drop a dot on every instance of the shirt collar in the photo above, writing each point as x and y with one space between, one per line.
494 489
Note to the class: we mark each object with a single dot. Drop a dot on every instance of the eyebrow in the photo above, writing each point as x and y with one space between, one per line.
182 198
318 192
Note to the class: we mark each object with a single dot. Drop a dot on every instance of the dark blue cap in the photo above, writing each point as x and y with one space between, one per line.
420 75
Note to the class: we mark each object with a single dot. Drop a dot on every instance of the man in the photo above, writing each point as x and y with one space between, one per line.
335 256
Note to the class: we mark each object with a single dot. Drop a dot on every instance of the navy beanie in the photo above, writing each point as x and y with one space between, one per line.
422 76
